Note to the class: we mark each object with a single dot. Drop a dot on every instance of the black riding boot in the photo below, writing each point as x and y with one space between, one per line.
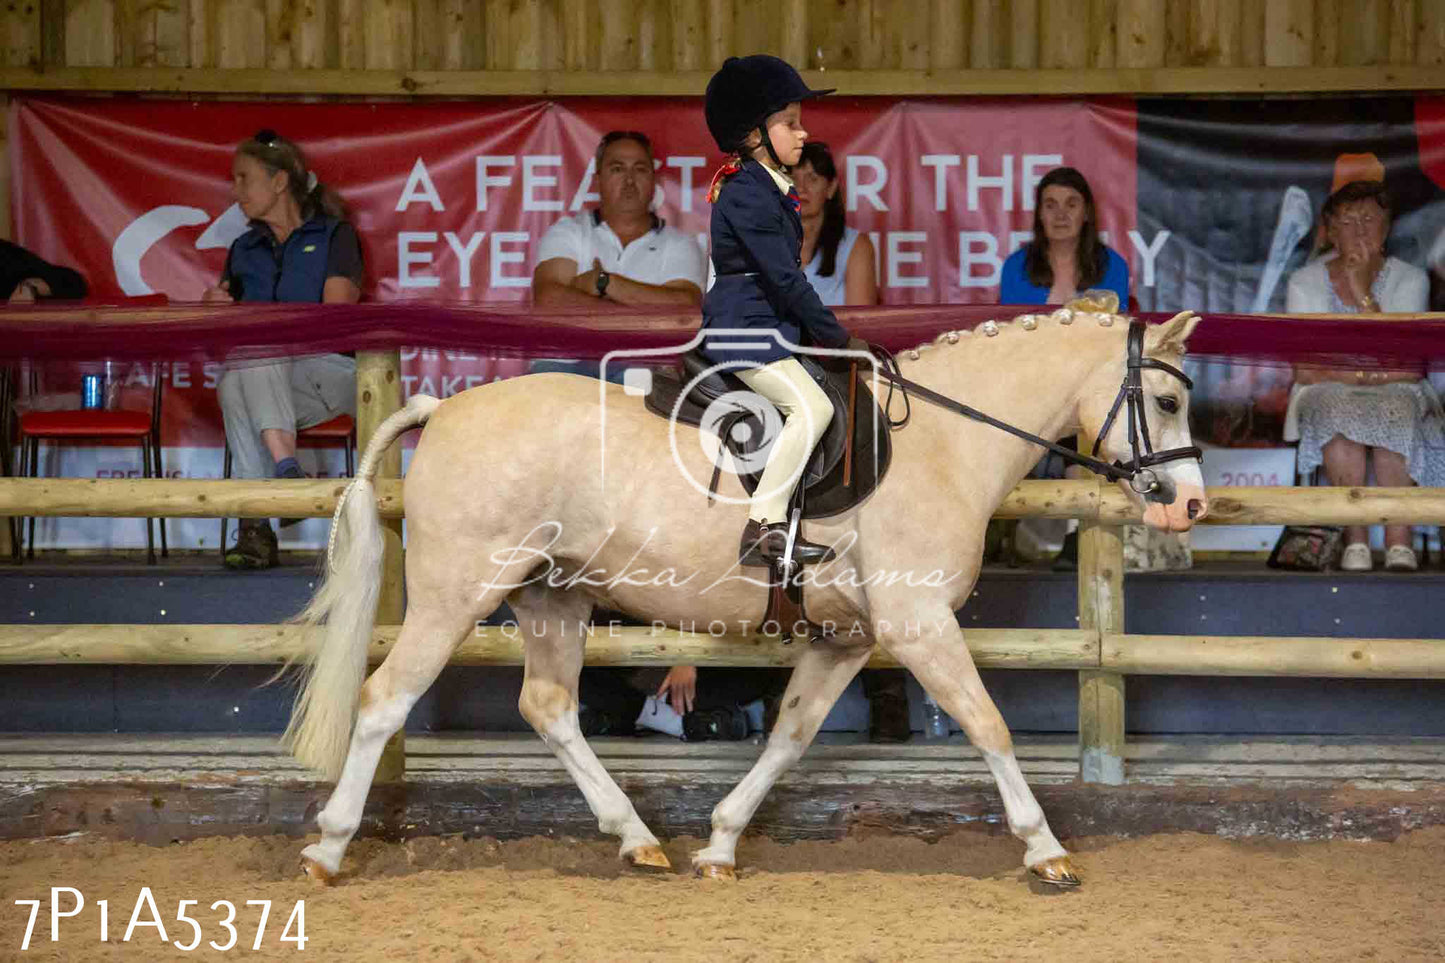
763 543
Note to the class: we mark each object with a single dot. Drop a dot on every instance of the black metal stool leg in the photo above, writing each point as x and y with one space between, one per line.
160 473
225 473
145 460
34 473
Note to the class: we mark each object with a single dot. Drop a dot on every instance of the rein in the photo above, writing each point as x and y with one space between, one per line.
1131 396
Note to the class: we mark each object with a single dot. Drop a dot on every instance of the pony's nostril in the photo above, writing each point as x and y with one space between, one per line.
1196 508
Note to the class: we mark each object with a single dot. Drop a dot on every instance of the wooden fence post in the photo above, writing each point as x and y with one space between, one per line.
1101 694
378 395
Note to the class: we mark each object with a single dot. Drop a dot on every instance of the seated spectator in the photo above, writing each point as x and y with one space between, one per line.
300 248
838 262
24 277
1344 419
1065 258
620 252
686 703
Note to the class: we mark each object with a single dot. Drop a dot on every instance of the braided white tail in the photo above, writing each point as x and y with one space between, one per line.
338 621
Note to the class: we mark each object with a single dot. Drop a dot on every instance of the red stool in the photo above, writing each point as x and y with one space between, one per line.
340 430
143 428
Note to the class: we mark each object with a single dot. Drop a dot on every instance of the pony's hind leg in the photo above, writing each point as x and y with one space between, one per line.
428 637
935 652
819 678
554 625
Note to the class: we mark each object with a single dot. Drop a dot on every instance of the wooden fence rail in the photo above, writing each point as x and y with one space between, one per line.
628 645
1087 499
1099 649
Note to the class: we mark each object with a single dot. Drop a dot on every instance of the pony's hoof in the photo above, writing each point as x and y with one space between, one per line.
318 873
715 871
1057 873
648 857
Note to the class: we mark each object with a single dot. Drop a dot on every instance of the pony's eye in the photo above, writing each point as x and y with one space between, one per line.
1168 404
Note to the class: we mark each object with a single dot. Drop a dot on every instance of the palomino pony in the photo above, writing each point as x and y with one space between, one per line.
502 504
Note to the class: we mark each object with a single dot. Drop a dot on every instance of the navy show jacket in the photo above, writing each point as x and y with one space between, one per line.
757 243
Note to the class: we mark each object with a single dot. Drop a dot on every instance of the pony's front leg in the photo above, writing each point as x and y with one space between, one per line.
818 679
554 656
933 649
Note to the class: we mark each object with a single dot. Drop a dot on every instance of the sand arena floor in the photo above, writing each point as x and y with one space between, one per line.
1166 897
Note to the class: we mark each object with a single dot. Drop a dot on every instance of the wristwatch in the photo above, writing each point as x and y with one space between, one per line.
603 278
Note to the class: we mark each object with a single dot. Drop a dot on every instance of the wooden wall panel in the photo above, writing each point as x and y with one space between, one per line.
944 37
20 31
1430 34
689 35
89 33
832 34
1289 33
5 229
948 34
1400 28
1141 33
1023 34
1176 33
1063 34
1103 32
988 37
1362 37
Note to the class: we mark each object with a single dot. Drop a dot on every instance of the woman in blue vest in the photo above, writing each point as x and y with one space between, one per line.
300 248
753 108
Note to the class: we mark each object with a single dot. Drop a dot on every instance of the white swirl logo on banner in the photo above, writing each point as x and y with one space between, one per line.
143 233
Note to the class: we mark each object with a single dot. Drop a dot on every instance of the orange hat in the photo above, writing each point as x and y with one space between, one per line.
1357 167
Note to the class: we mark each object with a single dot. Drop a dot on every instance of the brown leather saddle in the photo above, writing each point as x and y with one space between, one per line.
836 478
718 401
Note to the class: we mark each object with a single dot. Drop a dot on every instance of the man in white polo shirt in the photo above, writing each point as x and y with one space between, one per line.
620 252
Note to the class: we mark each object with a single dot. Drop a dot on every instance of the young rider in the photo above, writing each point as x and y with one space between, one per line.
753 111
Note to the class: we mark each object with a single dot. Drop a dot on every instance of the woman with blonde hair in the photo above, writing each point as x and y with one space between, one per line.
300 247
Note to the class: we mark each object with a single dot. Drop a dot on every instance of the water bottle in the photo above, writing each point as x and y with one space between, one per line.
935 720
112 389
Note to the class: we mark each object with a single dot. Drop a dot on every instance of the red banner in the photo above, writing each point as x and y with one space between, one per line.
451 199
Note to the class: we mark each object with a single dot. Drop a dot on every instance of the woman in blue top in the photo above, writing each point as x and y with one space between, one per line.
1065 259
1066 256
753 108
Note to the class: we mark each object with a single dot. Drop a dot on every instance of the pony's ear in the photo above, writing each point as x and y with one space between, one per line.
1172 334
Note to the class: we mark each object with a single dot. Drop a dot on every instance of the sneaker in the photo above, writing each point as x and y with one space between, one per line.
255 546
1401 558
1068 558
707 724
292 472
1357 558
595 722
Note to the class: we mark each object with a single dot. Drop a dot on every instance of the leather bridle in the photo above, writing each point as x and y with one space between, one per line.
1139 472
1131 395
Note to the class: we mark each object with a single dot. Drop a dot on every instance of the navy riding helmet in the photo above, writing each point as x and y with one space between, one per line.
745 91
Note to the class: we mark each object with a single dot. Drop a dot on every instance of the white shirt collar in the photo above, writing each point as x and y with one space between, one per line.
784 182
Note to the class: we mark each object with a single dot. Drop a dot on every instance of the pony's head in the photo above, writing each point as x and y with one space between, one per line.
1177 499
